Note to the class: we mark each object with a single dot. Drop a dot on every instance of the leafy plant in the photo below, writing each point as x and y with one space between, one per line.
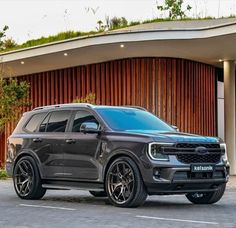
174 8
13 97
101 27
89 98
117 22
2 35
111 24
9 43
3 174
132 23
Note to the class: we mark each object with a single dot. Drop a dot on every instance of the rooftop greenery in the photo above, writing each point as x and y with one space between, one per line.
117 23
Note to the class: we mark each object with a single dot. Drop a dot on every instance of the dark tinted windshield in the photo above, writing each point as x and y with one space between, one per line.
126 119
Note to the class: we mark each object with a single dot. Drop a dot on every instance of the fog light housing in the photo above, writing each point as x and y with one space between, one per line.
157 173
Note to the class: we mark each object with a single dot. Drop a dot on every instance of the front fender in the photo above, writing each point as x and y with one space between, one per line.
119 153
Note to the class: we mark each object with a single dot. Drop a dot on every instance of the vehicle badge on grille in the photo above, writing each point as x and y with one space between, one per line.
201 150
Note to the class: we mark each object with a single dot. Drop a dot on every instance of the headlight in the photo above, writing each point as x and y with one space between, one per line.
224 148
155 151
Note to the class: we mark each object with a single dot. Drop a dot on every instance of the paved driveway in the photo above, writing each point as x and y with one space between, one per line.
65 209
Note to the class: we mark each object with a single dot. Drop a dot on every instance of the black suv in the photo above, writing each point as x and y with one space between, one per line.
125 153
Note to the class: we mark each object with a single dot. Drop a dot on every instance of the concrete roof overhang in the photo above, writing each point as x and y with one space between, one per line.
200 41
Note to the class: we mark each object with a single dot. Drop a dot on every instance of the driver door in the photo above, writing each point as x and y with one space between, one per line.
80 149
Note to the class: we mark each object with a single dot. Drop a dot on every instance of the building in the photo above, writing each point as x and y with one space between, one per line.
174 69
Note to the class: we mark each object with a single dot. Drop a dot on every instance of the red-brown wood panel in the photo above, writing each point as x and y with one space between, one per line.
180 91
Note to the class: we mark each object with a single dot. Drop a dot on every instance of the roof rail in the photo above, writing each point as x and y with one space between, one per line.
64 105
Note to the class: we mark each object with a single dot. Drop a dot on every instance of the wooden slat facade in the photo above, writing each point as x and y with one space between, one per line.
182 92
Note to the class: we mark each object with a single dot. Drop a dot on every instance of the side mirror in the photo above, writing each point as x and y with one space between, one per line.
176 128
89 127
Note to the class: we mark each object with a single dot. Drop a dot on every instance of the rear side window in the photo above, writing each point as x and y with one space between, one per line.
55 122
43 125
34 121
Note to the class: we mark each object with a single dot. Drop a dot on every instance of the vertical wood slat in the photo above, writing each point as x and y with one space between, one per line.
180 91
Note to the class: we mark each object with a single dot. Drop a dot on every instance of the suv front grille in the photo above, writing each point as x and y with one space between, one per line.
195 158
186 153
194 145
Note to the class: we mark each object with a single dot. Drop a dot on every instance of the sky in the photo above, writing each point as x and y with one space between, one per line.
30 19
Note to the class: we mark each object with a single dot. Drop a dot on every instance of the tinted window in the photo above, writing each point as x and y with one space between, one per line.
81 117
34 122
43 125
55 122
126 119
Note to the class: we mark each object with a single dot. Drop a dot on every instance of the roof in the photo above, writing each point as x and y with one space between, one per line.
69 105
83 105
204 41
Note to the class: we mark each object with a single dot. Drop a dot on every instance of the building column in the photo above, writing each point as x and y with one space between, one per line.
229 113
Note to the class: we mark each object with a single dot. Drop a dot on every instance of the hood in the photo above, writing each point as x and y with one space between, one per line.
176 136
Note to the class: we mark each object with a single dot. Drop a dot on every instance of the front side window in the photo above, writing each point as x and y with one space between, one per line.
55 122
82 117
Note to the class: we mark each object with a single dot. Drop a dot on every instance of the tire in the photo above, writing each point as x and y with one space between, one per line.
26 179
124 184
98 193
207 197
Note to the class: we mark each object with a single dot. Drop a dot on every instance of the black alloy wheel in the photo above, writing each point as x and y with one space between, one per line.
124 184
27 180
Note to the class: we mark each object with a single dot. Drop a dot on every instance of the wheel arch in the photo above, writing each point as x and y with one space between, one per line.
121 153
29 153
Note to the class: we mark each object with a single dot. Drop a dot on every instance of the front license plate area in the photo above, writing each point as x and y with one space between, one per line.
198 168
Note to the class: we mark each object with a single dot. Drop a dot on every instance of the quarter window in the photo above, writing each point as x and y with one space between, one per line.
81 117
33 123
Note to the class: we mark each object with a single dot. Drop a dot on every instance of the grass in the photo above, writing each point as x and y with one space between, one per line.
45 40
72 34
3 174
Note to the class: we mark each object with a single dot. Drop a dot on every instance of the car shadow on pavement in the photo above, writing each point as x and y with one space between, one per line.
78 199
160 203
180 205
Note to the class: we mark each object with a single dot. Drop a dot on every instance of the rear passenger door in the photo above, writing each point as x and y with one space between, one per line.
49 142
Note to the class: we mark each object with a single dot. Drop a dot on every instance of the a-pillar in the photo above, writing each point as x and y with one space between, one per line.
229 112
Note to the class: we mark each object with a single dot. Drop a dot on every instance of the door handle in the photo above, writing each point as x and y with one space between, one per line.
36 140
70 141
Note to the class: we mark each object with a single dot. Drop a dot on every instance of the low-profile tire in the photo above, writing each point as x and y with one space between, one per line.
26 179
207 197
98 193
124 183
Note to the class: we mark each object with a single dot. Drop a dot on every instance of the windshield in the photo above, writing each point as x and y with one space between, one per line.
127 119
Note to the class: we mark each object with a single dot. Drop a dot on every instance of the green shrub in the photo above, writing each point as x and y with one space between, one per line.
3 174
13 97
89 98
132 23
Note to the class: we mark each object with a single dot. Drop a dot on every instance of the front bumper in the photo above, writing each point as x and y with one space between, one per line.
178 179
